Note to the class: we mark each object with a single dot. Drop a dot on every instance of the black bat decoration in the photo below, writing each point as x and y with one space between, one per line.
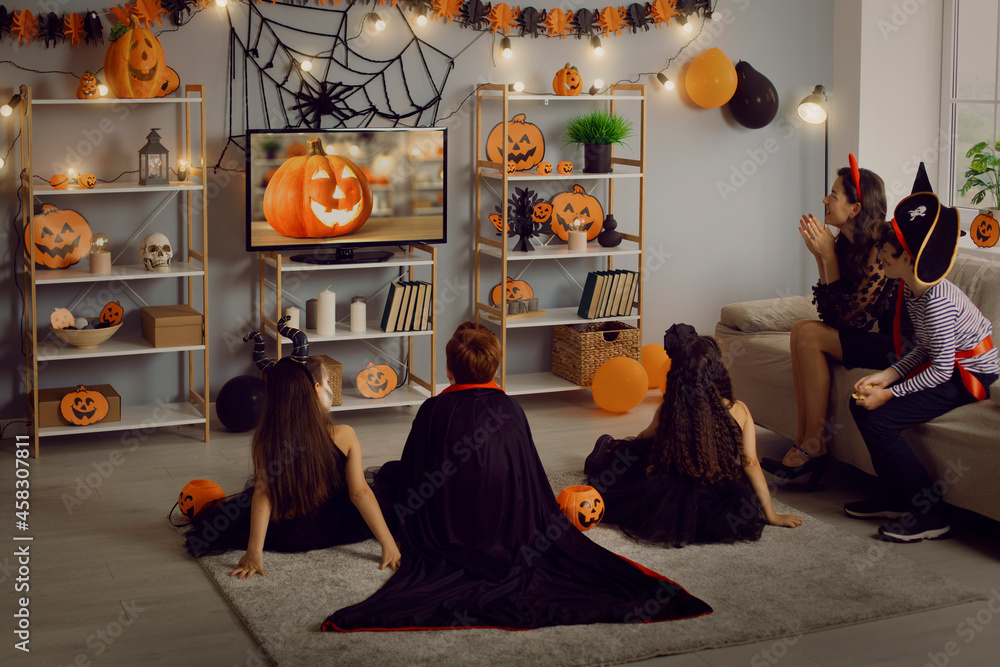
584 21
6 20
179 10
475 14
93 29
635 17
50 29
530 21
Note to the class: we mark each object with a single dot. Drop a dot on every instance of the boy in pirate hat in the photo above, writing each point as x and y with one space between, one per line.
953 363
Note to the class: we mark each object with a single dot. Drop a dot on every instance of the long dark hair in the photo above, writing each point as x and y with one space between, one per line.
696 436
292 448
856 253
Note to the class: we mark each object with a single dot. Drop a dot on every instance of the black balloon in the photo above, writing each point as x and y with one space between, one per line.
240 403
755 103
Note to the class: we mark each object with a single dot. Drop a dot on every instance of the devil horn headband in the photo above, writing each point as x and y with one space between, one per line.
300 345
856 175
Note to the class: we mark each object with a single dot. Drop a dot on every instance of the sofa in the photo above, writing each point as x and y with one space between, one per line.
961 449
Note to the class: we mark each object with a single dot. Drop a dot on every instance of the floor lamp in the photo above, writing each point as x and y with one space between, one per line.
812 110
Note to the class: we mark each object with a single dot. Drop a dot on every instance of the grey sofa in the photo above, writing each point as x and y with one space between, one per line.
961 448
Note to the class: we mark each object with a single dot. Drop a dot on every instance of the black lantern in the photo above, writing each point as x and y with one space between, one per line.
154 161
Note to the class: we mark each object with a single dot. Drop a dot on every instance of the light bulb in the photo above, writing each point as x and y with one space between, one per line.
505 49
99 242
422 16
2 162
354 150
330 149
71 174
598 84
519 86
687 25
221 3
306 65
664 81
595 44
377 21
6 110
716 16
102 89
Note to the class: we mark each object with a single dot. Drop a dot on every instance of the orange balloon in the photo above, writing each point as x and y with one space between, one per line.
711 79
663 375
653 356
620 384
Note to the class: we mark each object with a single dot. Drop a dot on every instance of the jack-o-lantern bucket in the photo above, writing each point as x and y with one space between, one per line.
582 505
198 494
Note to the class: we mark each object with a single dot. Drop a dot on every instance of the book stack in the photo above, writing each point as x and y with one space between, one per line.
408 306
608 294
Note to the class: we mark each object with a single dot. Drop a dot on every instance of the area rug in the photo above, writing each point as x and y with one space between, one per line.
791 582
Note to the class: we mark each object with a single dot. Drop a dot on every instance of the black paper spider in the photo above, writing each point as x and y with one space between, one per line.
476 14
530 21
635 16
584 22
50 28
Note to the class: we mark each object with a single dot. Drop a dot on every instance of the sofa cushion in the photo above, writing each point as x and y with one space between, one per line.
768 314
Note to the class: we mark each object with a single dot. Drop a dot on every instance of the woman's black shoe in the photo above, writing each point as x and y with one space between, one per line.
817 465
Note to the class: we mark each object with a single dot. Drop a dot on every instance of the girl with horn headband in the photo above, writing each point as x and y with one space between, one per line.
308 489
852 296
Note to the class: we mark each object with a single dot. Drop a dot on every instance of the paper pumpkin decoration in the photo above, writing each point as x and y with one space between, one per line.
83 406
135 66
59 182
376 381
111 314
525 144
62 318
711 79
573 205
497 222
86 181
544 168
568 82
985 230
61 237
517 290
582 505
317 196
88 87
542 212
199 494
565 167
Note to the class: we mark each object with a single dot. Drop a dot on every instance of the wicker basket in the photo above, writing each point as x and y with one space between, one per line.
576 355
335 370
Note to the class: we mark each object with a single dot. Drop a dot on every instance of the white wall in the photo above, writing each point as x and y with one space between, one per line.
722 201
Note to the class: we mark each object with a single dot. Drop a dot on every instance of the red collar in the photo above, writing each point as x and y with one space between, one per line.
463 387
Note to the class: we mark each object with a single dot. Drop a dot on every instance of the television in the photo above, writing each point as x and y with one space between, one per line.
294 203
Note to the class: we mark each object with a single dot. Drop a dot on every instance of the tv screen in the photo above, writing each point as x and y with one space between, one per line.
375 187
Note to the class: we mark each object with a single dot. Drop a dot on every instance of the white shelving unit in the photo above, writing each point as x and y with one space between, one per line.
417 388
42 347
495 256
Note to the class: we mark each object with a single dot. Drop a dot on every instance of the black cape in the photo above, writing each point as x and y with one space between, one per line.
484 543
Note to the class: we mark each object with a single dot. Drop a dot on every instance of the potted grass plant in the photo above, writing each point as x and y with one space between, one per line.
596 132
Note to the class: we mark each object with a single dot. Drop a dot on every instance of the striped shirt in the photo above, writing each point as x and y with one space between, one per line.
945 321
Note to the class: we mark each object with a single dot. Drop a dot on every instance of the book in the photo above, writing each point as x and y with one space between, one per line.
615 298
392 303
425 322
591 295
605 290
407 293
626 303
418 310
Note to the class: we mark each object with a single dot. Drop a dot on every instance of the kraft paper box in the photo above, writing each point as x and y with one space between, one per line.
49 399
171 326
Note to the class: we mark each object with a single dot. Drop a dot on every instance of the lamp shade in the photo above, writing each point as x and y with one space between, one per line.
154 164
812 109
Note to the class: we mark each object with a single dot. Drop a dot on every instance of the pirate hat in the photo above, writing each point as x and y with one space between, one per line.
927 231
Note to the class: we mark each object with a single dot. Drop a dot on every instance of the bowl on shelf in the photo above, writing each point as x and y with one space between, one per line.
85 338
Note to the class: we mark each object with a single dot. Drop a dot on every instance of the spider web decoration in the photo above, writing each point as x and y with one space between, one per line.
344 88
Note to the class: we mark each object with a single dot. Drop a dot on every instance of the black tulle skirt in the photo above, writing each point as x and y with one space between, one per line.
670 509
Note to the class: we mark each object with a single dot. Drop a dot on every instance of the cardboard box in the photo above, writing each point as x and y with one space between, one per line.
335 370
172 326
49 399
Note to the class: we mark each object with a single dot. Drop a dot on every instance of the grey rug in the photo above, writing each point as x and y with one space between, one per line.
791 582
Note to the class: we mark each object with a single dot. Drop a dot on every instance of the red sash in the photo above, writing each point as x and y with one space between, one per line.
970 381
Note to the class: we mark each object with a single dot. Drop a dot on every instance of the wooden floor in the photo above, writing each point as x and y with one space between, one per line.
111 585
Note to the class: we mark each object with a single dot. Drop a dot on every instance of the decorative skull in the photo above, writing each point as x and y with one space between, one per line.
156 252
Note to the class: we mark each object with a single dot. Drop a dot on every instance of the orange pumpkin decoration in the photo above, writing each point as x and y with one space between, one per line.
199 494
317 196
84 406
985 230
582 505
565 167
576 204
376 381
62 318
111 314
568 82
544 168
297 149
61 237
516 291
86 181
88 87
542 212
135 65
59 182
525 144
498 222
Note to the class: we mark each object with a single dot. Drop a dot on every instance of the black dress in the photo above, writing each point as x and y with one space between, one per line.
669 508
484 543
226 526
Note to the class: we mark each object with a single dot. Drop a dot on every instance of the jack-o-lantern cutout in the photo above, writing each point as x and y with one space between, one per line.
516 291
317 196
511 168
568 81
582 505
59 182
525 144
376 381
86 181
61 237
565 167
135 65
544 168
197 495
88 87
111 314
985 230
83 406
498 222
62 318
575 210
542 212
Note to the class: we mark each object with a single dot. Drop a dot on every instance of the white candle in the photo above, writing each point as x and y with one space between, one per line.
577 241
293 317
359 314
326 313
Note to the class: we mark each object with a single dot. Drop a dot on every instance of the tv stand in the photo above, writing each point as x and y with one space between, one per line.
344 256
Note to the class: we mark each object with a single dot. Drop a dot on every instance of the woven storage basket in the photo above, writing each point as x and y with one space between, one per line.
576 355
336 372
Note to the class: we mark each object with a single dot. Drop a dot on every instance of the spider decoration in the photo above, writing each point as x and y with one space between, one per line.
502 18
612 20
520 222
93 29
476 14
326 100
585 22
50 29
530 21
635 16
6 21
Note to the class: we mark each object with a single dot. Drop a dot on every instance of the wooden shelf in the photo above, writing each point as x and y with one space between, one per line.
545 99
496 175
556 250
71 101
134 418
538 383
556 316
398 259
53 349
118 272
344 333
400 397
115 188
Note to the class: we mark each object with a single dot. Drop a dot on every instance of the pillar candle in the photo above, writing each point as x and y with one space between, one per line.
577 241
326 313
311 314
293 317
359 315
